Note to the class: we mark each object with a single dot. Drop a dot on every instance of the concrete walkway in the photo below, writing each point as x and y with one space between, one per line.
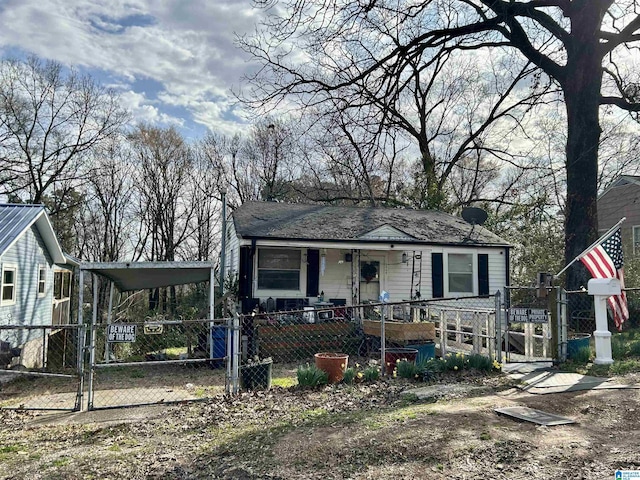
540 378
537 378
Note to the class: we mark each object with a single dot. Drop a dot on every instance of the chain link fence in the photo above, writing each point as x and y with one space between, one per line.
427 328
40 367
139 363
162 361
581 314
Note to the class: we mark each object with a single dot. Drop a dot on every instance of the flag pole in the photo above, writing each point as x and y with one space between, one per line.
603 237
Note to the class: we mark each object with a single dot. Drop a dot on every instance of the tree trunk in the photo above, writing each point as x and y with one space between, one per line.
582 100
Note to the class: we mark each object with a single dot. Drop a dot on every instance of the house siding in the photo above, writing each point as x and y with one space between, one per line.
27 255
232 251
618 202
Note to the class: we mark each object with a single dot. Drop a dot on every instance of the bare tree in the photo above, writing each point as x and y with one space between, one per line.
50 120
106 227
574 43
165 166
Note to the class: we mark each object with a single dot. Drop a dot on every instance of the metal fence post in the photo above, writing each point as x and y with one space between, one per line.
92 341
235 351
383 342
561 305
228 358
443 334
80 339
497 328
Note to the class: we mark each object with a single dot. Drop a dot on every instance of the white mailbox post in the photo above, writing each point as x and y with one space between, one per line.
601 289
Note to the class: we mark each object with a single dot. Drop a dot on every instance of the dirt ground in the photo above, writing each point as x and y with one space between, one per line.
337 432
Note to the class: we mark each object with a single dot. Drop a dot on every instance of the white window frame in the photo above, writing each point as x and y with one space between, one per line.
42 281
11 301
474 272
635 238
302 284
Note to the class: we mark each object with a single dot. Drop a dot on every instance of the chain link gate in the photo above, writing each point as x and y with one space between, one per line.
534 326
41 367
144 363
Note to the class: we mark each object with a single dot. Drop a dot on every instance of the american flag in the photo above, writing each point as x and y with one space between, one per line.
605 260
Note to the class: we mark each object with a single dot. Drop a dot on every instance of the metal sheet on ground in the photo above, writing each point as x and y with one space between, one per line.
534 416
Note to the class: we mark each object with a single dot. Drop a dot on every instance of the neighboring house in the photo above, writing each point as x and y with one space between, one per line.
290 254
35 283
622 199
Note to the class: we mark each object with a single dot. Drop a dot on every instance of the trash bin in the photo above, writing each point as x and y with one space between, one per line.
219 340
426 351
577 343
256 376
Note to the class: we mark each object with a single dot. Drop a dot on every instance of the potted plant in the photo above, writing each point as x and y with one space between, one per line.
334 364
256 374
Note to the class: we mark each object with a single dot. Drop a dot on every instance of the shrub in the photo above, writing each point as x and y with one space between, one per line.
583 355
407 369
484 364
455 361
618 348
371 374
311 376
349 375
634 349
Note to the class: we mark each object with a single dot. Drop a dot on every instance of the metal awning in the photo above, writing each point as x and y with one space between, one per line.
129 276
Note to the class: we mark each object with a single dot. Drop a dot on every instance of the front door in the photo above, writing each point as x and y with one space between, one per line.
371 278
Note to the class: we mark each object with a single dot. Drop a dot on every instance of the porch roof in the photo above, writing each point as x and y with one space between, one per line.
304 222
129 276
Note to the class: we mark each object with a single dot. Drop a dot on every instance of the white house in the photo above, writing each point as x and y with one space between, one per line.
294 253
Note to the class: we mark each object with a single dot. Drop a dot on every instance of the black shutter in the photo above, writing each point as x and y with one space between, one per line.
313 273
437 275
483 274
246 273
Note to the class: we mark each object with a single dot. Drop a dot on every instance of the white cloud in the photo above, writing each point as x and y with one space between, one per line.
185 47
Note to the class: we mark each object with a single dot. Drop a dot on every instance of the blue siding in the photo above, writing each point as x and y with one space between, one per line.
27 255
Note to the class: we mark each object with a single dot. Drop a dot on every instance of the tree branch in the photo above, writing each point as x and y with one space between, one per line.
621 103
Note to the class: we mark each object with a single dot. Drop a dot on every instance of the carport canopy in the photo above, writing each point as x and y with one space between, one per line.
128 276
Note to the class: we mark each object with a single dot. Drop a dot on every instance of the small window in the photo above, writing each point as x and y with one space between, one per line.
279 269
57 285
460 272
61 285
636 240
8 285
42 281
66 284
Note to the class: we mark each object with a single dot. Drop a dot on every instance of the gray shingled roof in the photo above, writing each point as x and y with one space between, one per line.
322 222
16 218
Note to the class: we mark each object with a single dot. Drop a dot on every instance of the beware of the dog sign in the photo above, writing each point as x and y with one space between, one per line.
121 333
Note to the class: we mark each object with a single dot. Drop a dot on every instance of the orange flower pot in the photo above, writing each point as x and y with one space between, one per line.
334 364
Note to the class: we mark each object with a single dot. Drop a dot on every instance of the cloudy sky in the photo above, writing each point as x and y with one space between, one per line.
174 61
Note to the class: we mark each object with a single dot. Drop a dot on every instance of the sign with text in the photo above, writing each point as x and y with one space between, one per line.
121 333
153 328
528 315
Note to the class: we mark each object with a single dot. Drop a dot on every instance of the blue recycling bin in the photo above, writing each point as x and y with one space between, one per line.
219 339
425 350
